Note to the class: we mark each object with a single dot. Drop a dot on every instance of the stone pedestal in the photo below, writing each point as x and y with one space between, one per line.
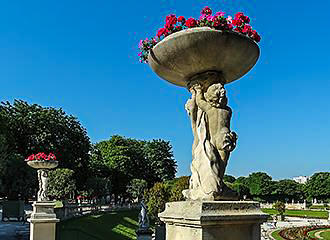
213 220
43 221
144 234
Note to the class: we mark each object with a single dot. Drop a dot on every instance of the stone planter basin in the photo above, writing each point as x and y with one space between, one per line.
47 164
189 52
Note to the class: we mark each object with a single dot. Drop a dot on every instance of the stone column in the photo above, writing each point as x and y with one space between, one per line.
43 221
213 220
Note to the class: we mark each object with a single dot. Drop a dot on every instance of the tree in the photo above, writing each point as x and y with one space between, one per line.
123 159
260 185
126 159
280 207
136 188
287 189
179 185
229 179
242 190
97 186
160 161
318 186
31 128
61 183
156 198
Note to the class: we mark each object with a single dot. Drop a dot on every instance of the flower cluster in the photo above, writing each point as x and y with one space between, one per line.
218 21
300 232
41 157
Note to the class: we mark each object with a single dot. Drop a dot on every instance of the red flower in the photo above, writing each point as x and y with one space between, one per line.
162 32
178 28
255 36
169 26
238 29
238 22
241 16
181 19
191 22
171 19
247 29
207 11
216 22
41 156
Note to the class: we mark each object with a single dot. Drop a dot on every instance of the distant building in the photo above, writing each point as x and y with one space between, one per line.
301 179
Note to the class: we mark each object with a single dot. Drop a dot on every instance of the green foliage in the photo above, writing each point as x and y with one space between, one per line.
31 128
61 183
137 187
159 157
242 180
318 186
241 189
280 207
260 184
288 189
126 159
97 187
179 185
229 179
156 198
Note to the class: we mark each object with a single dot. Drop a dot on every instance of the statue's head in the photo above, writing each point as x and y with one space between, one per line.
216 95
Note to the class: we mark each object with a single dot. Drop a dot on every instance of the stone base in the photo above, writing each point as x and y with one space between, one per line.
43 221
144 234
214 220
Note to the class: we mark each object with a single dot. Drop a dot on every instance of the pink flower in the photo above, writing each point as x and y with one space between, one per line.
229 19
210 18
221 14
202 16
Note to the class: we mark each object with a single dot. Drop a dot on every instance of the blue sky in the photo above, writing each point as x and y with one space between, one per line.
82 56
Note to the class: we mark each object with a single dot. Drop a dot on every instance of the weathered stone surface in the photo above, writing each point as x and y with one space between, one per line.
186 53
43 167
214 220
213 140
43 221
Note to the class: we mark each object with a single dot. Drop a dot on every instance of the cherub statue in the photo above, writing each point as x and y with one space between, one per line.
43 185
213 140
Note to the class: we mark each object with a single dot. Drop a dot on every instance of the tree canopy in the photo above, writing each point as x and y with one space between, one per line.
31 128
318 186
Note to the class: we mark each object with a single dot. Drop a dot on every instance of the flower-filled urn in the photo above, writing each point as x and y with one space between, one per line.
203 55
42 162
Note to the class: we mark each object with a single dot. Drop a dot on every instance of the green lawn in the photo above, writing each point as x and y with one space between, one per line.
299 213
120 225
276 235
325 235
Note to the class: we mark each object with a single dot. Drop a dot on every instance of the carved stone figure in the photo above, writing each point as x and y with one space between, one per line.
143 217
213 140
43 185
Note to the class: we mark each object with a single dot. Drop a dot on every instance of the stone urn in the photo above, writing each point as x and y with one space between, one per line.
43 167
43 219
203 60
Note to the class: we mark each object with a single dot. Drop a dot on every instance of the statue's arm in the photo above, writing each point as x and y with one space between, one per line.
200 101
